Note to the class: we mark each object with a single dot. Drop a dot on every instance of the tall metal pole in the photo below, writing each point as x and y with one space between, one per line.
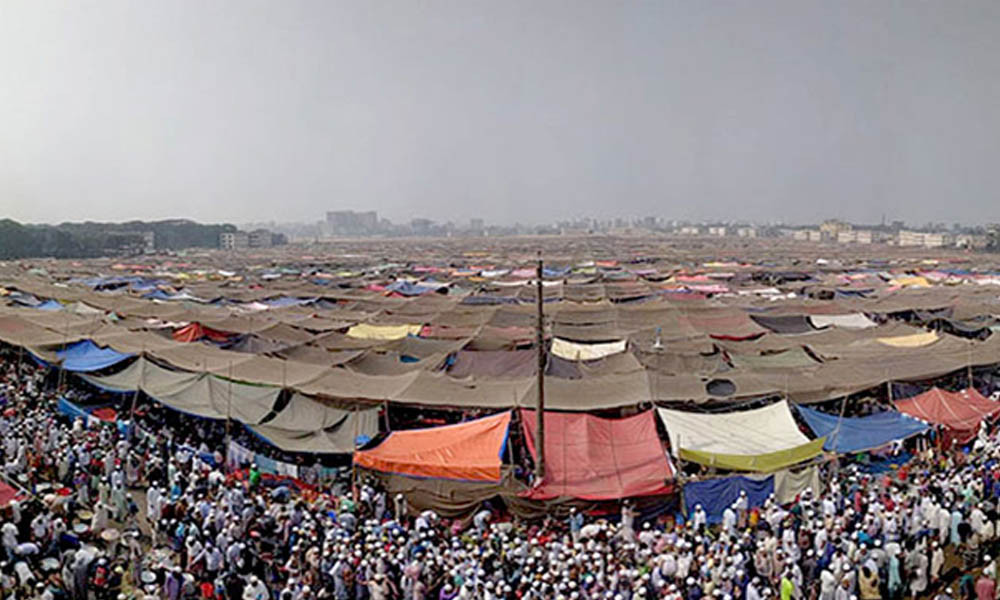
540 409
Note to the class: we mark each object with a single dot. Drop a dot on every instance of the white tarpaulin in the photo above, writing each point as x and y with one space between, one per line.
574 351
749 432
851 321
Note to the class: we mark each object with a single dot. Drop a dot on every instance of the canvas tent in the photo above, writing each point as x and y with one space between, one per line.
591 458
470 451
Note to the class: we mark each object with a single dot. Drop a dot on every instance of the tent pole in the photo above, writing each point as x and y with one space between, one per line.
354 446
138 386
540 409
229 406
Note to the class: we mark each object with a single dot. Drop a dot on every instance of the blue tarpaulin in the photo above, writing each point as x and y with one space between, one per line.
854 434
49 305
86 356
715 495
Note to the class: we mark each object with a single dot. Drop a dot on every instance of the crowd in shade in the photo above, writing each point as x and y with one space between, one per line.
105 514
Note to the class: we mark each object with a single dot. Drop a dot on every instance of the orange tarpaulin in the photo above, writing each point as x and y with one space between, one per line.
592 458
959 411
467 451
196 331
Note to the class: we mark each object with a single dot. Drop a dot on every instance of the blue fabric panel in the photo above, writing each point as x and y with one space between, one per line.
85 356
860 433
716 494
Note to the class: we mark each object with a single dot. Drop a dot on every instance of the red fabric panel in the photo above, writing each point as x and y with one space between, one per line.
467 451
592 458
195 331
189 333
960 411
7 493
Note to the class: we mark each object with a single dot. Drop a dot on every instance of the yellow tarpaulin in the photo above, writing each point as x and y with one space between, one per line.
911 281
910 341
760 463
364 331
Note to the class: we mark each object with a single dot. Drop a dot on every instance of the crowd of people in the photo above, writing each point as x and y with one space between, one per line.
106 513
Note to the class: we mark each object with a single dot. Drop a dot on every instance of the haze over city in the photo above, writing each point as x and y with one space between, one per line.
506 111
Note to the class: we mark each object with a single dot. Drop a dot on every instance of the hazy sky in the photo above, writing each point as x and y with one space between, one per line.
532 111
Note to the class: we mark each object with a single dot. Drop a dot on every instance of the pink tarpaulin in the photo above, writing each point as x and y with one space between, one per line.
592 458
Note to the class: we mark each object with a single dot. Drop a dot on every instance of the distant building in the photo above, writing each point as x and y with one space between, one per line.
477 224
938 240
348 222
689 230
854 236
746 232
719 231
236 240
808 235
260 238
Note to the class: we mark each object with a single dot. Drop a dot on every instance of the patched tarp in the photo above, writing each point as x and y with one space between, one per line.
575 351
960 411
85 356
470 451
855 434
793 358
760 463
715 495
591 458
750 432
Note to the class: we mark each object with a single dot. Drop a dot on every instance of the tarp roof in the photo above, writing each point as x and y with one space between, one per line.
961 411
855 434
85 356
470 451
592 458
749 432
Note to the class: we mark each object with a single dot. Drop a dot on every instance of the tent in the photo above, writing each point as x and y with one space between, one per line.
749 432
855 434
592 458
470 451
85 356
961 412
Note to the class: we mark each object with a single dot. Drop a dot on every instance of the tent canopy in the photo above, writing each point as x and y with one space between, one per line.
86 356
750 432
962 411
855 434
468 451
592 458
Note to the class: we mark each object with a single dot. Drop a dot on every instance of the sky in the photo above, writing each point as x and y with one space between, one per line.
515 110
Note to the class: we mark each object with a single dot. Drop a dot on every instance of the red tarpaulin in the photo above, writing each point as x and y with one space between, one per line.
591 458
195 331
959 411
470 451
7 493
